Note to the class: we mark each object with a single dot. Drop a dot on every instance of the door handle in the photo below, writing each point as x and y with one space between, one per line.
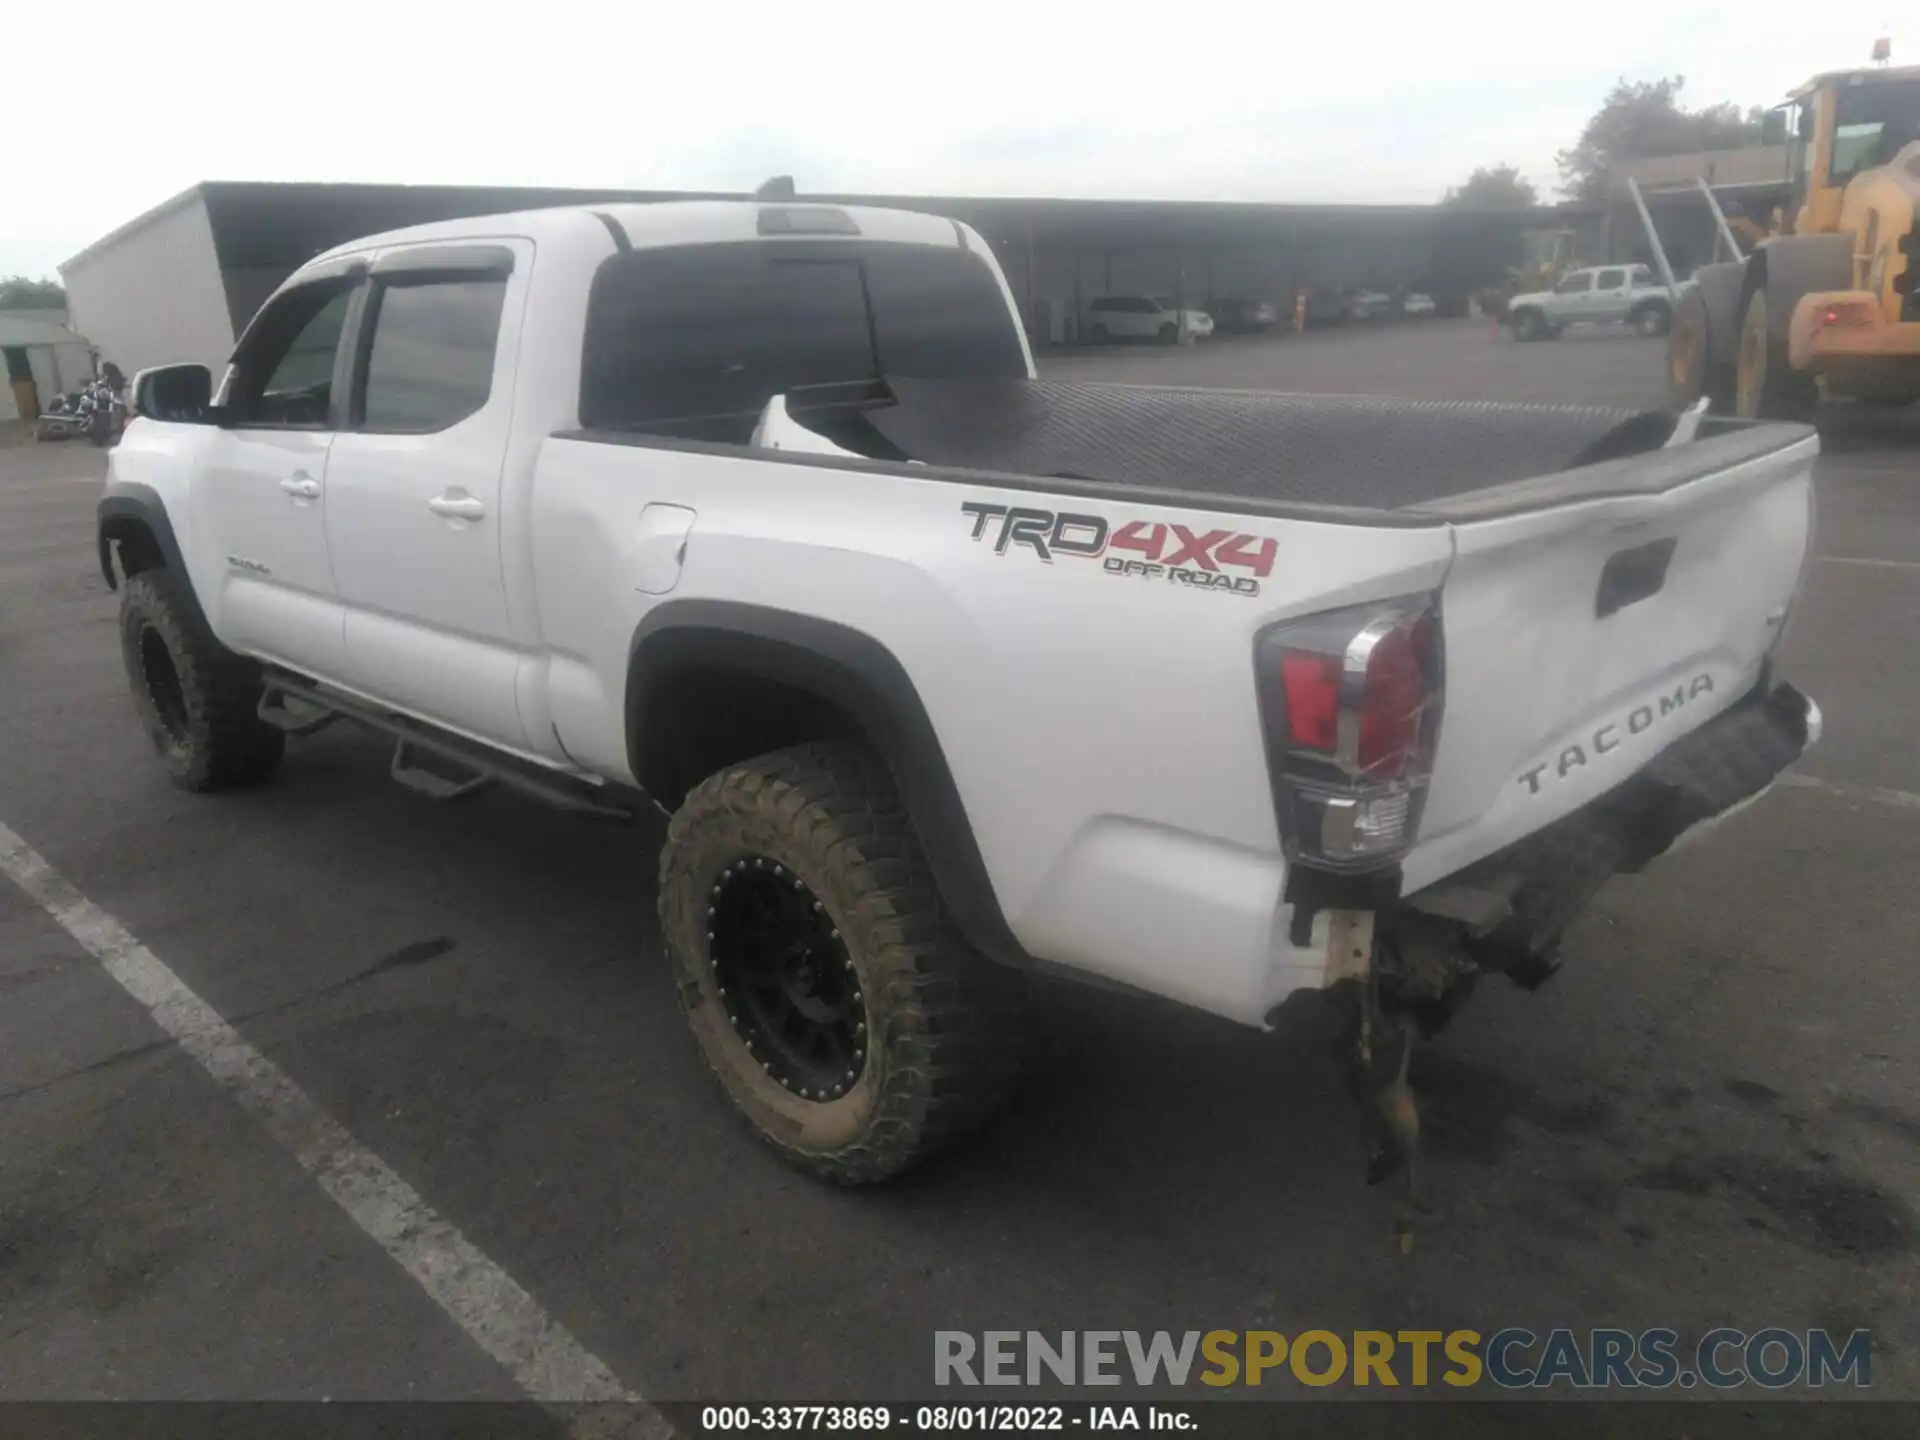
457 507
301 486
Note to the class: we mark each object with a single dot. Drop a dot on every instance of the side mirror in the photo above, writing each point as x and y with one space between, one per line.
178 394
1774 127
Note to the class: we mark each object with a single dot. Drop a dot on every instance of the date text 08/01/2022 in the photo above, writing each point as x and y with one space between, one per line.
939 1419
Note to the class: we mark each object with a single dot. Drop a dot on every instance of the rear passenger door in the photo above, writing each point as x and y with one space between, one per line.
1611 296
414 485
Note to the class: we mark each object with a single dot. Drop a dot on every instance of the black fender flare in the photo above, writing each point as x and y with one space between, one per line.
129 507
1794 265
861 678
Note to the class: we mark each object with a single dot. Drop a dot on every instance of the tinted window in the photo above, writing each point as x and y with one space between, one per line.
431 360
940 315
1575 283
703 331
284 371
1611 280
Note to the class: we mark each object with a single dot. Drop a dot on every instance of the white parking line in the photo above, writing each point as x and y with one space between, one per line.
482 1299
1879 794
1868 560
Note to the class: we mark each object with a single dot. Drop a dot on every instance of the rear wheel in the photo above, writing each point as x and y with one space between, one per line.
849 1024
1766 386
1101 336
197 700
1651 320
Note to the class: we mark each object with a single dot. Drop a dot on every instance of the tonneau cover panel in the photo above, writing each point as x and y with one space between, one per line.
1320 449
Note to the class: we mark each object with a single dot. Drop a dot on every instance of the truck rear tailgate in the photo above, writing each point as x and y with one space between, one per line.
1587 626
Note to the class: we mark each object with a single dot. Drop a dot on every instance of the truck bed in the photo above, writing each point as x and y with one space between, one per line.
1356 451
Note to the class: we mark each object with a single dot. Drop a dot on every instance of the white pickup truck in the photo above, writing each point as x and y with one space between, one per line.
755 514
1603 295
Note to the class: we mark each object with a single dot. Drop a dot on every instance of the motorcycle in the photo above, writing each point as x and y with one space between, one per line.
105 413
63 418
95 410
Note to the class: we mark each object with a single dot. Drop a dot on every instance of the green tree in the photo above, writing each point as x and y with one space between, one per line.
1642 119
1497 187
17 292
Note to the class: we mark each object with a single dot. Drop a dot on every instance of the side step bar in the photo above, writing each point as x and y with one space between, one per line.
299 707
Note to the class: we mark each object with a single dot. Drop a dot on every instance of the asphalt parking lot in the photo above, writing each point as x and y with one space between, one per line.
1712 1116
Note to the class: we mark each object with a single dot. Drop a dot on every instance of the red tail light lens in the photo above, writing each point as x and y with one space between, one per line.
1395 699
1313 699
1351 700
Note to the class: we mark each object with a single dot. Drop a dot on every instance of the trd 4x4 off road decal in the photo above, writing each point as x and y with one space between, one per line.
1144 549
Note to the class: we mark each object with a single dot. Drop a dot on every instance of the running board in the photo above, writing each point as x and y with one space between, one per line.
301 717
300 708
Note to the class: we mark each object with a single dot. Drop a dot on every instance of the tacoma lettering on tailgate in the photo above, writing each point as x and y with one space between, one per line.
1636 721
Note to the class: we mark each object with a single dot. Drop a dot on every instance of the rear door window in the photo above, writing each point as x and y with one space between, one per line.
430 362
710 333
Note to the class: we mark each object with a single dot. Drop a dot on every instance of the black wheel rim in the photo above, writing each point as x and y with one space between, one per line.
786 979
162 680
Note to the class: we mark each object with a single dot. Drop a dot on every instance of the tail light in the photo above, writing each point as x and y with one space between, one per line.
1848 315
1351 704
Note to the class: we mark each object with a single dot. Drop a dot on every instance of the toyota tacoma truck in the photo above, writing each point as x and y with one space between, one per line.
755 514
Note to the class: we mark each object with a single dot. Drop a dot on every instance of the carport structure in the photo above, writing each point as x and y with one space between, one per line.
181 281
1061 254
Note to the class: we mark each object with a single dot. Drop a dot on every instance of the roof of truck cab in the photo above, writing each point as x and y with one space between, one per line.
673 222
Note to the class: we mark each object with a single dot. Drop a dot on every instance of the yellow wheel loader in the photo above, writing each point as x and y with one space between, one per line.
1829 309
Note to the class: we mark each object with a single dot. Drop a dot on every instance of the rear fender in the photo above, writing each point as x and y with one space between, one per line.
1866 334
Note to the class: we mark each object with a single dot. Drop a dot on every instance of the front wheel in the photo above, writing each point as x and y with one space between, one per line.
1529 325
1766 386
197 700
843 1017
1169 335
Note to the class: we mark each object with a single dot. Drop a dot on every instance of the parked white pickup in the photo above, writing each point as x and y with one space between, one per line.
756 514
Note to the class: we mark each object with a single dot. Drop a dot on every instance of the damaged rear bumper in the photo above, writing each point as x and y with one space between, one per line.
1515 904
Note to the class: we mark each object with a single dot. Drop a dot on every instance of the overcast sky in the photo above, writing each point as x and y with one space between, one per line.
119 106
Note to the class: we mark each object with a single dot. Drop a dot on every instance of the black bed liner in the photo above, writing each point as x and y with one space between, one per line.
1307 449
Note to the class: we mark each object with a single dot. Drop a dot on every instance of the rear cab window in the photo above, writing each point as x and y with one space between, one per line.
694 340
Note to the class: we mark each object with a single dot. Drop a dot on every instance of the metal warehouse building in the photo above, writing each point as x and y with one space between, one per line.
180 282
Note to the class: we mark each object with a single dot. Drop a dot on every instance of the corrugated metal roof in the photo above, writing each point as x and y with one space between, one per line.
328 208
16 329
